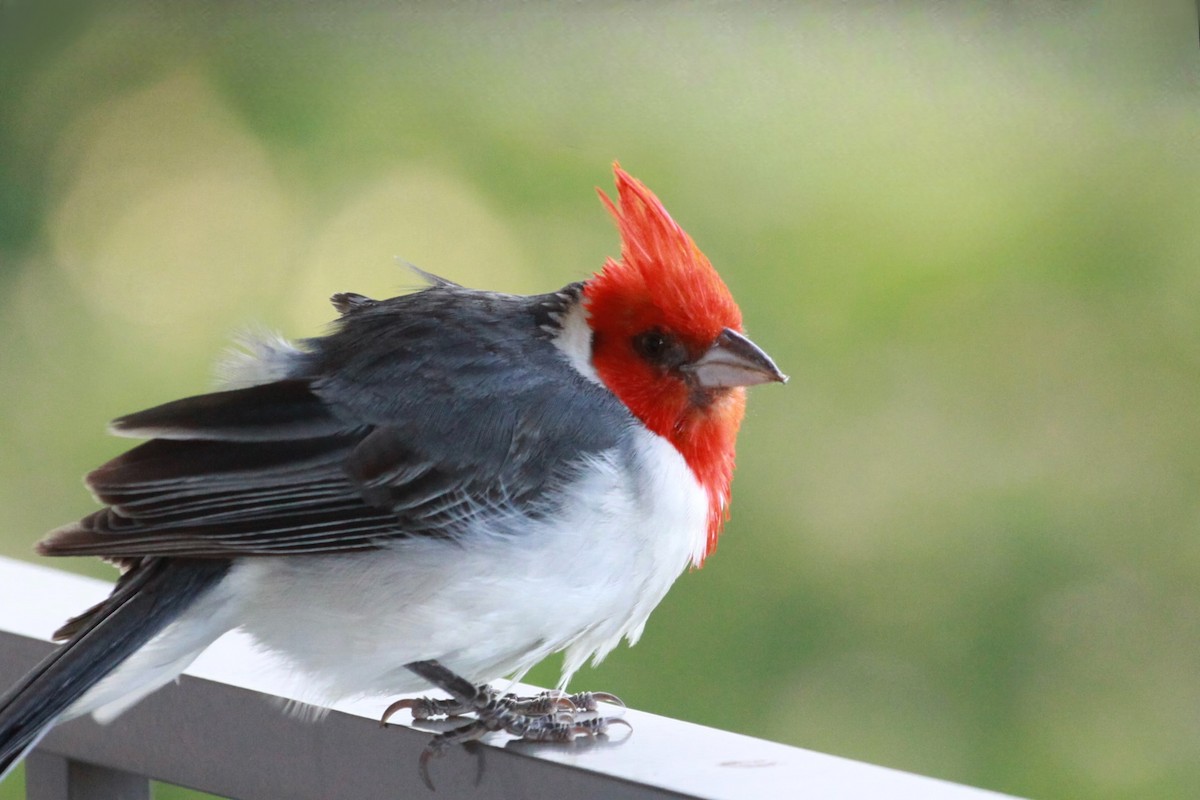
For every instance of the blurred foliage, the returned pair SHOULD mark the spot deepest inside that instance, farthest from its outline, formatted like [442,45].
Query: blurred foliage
[964,536]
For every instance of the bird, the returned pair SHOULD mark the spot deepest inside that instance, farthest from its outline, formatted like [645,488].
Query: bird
[448,487]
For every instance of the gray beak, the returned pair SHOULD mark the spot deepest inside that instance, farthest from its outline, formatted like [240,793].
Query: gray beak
[733,360]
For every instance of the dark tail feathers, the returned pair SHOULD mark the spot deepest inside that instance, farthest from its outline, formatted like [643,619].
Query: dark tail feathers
[145,601]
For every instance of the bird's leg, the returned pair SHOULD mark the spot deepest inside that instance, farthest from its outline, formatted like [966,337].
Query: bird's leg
[546,717]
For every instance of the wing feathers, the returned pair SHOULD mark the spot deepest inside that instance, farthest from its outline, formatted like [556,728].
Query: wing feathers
[273,411]
[107,532]
[164,465]
[417,415]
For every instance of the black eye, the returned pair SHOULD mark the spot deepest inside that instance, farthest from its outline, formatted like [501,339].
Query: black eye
[650,344]
[659,348]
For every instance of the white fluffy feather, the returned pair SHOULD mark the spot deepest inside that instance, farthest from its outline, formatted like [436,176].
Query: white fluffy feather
[257,356]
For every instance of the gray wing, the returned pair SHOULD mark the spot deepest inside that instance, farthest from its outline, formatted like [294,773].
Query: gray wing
[415,414]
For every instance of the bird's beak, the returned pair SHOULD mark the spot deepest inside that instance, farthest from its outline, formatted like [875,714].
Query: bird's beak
[733,360]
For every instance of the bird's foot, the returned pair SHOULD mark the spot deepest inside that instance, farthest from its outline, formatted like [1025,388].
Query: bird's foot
[551,716]
[488,701]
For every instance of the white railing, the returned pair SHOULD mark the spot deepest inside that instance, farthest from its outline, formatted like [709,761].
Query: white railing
[221,729]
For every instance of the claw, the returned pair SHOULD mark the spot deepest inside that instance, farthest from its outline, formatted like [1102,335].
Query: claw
[427,755]
[608,697]
[424,708]
[464,735]
[618,721]
[589,701]
[408,702]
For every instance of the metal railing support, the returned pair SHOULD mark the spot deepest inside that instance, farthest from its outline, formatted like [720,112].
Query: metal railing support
[49,776]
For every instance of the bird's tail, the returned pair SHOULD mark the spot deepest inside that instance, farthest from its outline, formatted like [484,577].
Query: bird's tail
[145,601]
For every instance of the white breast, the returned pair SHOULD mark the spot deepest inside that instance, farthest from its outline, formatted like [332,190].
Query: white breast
[504,596]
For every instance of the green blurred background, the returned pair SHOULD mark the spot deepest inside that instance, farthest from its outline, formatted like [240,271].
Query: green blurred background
[964,539]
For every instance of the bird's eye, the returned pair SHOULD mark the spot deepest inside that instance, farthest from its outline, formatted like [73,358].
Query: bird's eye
[659,348]
[651,343]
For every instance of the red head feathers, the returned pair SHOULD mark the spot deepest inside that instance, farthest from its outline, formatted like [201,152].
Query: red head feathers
[660,262]
[661,320]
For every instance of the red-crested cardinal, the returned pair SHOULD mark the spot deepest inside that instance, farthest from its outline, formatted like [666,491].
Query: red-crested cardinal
[449,487]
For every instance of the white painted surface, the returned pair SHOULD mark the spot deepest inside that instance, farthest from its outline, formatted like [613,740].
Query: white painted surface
[208,734]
